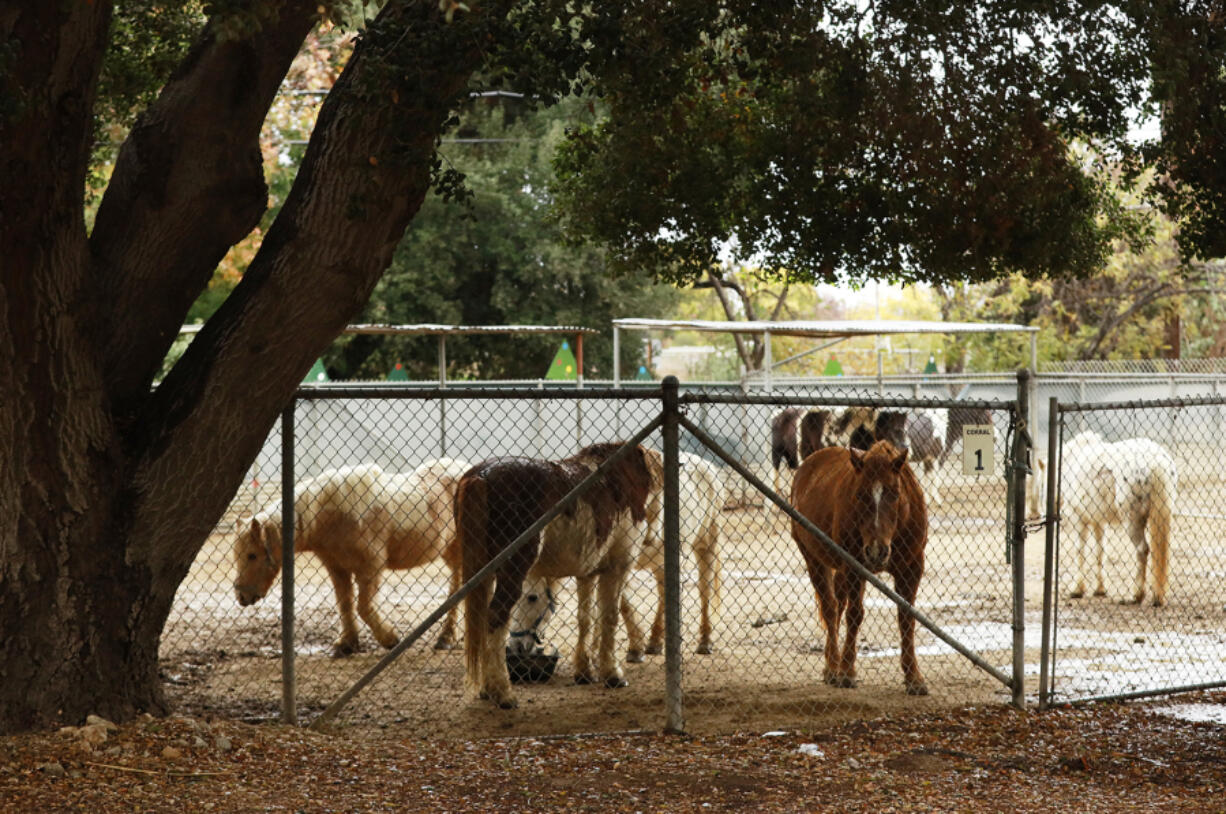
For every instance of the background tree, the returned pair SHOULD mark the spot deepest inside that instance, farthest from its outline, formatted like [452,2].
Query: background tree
[840,140]
[498,258]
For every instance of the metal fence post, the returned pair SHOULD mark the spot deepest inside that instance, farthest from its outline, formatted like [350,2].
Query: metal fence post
[675,720]
[289,712]
[1019,466]
[1049,553]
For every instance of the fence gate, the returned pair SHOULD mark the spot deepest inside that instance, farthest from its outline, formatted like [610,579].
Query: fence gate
[1141,613]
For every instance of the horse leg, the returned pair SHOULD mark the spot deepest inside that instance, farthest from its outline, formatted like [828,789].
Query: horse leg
[932,478]
[828,610]
[849,589]
[634,631]
[1136,533]
[347,643]
[1079,590]
[706,553]
[368,588]
[609,587]
[582,661]
[1100,587]
[495,679]
[447,639]
[906,584]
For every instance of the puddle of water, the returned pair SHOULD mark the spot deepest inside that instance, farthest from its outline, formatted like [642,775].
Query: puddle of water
[1196,713]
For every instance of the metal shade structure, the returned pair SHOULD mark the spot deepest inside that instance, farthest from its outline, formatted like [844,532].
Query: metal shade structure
[834,330]
[443,331]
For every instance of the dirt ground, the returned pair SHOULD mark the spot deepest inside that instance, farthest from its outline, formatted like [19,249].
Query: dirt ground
[223,660]
[1141,757]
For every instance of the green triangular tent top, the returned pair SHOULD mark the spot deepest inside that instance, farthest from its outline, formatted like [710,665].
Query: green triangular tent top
[643,375]
[398,373]
[833,368]
[317,372]
[931,367]
[564,365]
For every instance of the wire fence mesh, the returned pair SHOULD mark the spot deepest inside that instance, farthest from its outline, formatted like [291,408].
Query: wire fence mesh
[389,456]
[1138,595]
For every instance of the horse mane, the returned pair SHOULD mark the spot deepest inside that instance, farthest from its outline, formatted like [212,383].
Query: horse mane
[625,487]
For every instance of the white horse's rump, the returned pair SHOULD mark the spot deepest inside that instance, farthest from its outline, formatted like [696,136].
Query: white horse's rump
[1131,481]
[359,521]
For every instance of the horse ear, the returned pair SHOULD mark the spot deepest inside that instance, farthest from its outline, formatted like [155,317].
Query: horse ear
[255,527]
[857,459]
[900,460]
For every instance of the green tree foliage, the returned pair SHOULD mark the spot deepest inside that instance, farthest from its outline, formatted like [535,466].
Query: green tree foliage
[845,142]
[498,258]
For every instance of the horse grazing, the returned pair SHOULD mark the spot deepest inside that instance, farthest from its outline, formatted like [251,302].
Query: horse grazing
[796,433]
[870,504]
[702,501]
[1133,480]
[600,536]
[359,521]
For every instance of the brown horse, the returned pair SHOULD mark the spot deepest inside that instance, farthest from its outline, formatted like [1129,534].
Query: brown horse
[599,538]
[871,505]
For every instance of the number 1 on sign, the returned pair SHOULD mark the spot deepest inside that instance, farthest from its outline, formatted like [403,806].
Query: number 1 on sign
[978,447]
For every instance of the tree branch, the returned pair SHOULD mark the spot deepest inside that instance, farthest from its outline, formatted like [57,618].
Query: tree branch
[366,172]
[188,184]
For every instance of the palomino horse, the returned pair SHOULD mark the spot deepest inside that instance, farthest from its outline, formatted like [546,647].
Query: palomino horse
[870,504]
[702,501]
[1133,480]
[601,535]
[359,521]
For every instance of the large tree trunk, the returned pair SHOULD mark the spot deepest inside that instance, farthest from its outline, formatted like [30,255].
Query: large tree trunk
[108,485]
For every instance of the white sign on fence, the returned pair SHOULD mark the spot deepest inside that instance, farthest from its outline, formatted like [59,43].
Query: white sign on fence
[978,446]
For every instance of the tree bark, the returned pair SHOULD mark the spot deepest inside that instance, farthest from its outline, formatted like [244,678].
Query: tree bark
[108,489]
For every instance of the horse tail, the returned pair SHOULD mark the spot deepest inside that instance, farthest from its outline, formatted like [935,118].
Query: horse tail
[472,520]
[1161,512]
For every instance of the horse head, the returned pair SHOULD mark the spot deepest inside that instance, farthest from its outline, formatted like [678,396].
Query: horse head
[892,426]
[877,501]
[257,558]
[530,615]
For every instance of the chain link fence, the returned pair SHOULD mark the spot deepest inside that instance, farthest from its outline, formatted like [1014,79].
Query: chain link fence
[391,453]
[1135,595]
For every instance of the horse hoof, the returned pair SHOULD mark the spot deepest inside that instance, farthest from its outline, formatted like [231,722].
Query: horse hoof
[616,682]
[1100,591]
[844,682]
[390,643]
[634,656]
[1077,594]
[917,688]
[583,678]
[345,650]
[703,650]
[445,645]
[654,650]
[508,703]
[1159,602]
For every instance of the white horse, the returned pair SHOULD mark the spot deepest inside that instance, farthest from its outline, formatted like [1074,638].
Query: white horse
[359,521]
[1131,481]
[926,432]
